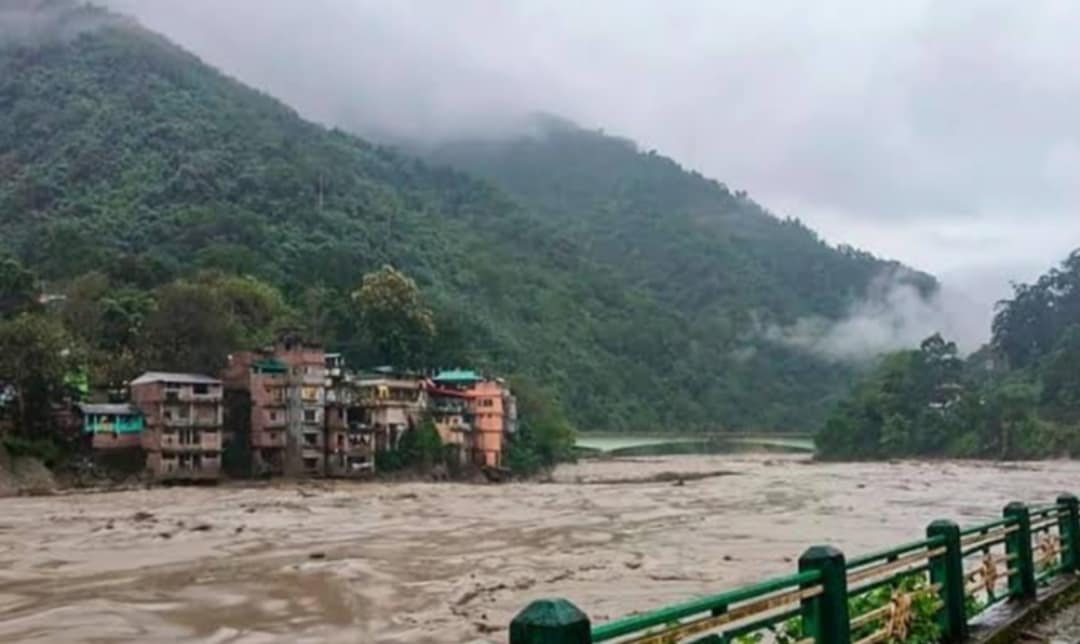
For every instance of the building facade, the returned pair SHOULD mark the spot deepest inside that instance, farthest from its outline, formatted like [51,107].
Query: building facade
[350,436]
[484,415]
[183,424]
[280,406]
[392,405]
[112,426]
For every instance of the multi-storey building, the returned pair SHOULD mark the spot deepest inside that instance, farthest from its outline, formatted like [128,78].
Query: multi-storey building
[392,405]
[452,414]
[491,414]
[256,393]
[305,446]
[183,424]
[350,436]
[280,395]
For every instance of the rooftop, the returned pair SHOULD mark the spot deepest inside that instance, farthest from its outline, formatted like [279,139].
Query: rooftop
[178,378]
[269,365]
[457,376]
[110,409]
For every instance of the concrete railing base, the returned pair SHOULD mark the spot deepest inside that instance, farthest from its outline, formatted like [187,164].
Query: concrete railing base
[1003,624]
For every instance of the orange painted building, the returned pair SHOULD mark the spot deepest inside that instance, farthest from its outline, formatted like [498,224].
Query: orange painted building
[482,425]
[489,420]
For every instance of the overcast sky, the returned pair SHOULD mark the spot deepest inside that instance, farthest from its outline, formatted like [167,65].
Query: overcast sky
[944,134]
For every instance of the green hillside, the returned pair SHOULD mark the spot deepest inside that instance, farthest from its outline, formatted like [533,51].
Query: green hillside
[631,287]
[1017,397]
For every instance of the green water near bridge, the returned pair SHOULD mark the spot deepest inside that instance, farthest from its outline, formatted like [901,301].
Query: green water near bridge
[656,445]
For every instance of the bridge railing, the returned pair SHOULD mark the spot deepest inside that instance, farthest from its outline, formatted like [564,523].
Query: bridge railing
[923,590]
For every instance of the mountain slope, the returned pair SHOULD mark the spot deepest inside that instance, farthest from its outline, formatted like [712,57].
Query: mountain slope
[629,286]
[687,239]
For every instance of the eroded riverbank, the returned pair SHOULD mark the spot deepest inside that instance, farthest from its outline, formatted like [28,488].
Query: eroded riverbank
[440,562]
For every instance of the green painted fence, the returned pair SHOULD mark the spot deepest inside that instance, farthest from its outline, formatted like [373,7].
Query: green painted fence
[923,591]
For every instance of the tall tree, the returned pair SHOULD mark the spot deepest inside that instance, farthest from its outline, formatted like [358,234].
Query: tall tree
[36,353]
[188,330]
[18,288]
[395,320]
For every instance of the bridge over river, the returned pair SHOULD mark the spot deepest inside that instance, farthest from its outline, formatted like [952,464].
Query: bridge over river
[619,444]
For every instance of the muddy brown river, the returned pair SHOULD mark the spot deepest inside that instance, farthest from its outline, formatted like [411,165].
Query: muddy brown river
[452,563]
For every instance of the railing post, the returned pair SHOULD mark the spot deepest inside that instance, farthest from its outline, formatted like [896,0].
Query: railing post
[1069,529]
[947,569]
[550,621]
[825,616]
[1018,544]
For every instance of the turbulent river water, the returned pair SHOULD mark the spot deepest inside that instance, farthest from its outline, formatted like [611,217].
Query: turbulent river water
[441,562]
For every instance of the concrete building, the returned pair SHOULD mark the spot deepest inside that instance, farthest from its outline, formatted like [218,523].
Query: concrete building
[278,402]
[305,438]
[256,394]
[350,436]
[491,414]
[452,414]
[183,424]
[392,405]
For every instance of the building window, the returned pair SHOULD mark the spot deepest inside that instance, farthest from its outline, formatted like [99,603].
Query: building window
[201,389]
[309,415]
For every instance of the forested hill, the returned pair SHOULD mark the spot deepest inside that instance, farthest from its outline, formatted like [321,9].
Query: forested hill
[683,238]
[630,287]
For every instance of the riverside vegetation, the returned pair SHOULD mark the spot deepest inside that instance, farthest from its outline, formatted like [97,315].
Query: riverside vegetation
[1017,397]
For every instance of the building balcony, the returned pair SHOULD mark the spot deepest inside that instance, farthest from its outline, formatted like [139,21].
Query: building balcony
[190,421]
[186,395]
[268,439]
[207,441]
[279,423]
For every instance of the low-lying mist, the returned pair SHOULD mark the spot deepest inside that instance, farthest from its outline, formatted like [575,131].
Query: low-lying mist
[893,315]
[26,22]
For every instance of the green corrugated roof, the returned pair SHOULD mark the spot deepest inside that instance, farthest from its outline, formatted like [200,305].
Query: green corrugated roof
[457,375]
[269,365]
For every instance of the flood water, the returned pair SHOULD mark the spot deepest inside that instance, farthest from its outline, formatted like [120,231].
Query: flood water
[439,562]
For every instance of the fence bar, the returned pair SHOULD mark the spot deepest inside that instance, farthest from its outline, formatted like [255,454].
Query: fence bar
[1022,574]
[1069,530]
[825,617]
[947,570]
[822,583]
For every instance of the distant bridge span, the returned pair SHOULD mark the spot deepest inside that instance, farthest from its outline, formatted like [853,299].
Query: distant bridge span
[615,443]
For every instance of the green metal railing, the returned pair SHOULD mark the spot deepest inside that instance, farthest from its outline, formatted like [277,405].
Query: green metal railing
[933,586]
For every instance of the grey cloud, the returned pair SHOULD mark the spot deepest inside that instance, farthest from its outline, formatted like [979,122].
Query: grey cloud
[24,22]
[921,110]
[921,130]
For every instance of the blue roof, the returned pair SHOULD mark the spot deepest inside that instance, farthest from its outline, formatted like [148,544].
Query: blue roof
[457,375]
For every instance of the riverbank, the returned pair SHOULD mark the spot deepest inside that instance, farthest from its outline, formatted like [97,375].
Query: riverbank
[451,562]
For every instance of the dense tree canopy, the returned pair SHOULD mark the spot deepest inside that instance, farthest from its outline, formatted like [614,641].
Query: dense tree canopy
[36,354]
[394,319]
